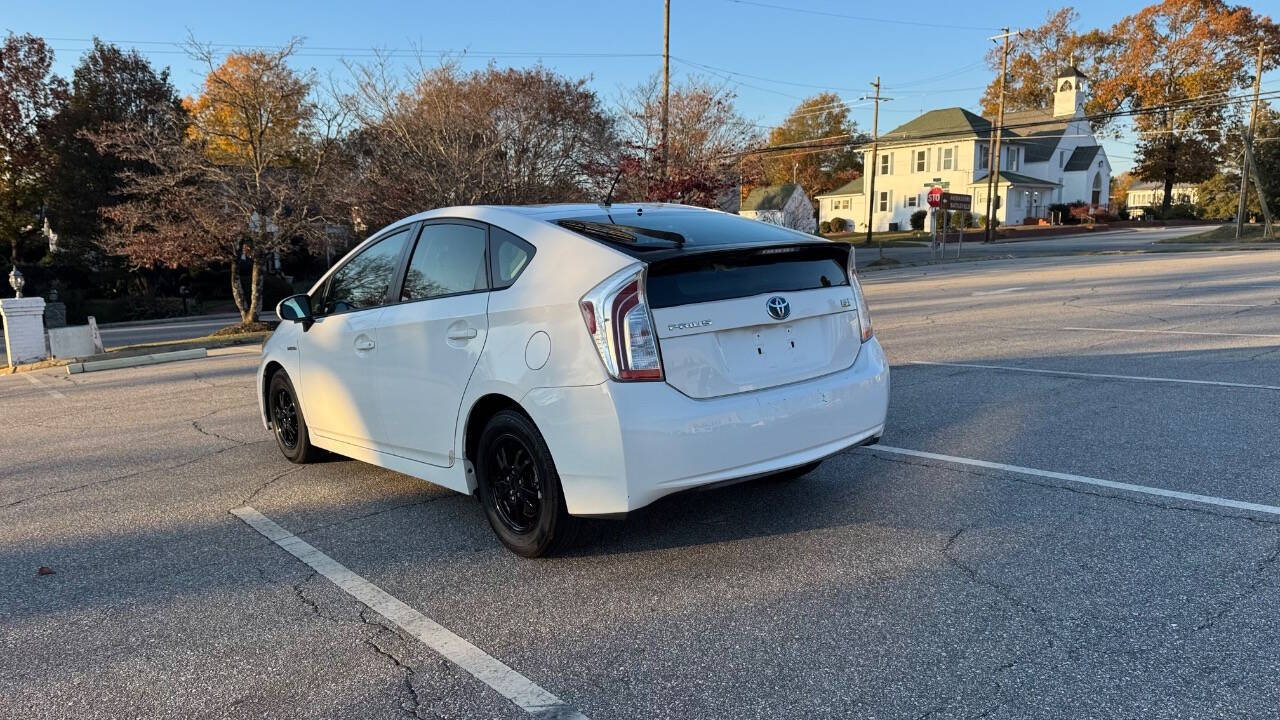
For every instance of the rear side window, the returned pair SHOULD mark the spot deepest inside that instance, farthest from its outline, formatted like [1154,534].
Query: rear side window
[721,276]
[510,256]
[364,280]
[448,260]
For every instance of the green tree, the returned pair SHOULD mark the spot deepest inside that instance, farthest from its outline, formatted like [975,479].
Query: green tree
[821,118]
[108,86]
[1217,198]
[30,94]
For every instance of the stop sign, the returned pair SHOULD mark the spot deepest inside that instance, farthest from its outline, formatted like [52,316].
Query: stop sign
[935,196]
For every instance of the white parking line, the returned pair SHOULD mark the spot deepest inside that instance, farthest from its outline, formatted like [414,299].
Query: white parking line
[32,379]
[1168,332]
[1103,376]
[1203,304]
[1084,479]
[997,292]
[492,672]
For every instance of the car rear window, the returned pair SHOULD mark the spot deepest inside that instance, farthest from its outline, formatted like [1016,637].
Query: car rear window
[641,232]
[741,273]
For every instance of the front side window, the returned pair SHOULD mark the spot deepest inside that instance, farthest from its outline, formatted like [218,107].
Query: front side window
[948,158]
[912,200]
[884,202]
[364,280]
[920,161]
[448,259]
[884,164]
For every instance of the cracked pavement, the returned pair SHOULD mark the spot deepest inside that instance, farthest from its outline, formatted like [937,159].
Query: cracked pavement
[876,587]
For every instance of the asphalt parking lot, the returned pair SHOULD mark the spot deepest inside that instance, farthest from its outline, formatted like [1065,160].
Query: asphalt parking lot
[1074,514]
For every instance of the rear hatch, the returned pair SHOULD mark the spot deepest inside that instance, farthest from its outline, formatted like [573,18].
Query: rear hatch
[739,305]
[738,320]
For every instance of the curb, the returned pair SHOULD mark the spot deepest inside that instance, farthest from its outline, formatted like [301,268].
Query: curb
[181,319]
[153,359]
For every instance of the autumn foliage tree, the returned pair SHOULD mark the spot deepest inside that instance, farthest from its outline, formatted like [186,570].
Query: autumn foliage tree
[1036,56]
[1173,63]
[235,176]
[823,117]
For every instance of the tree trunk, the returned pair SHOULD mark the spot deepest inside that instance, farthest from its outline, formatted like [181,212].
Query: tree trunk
[237,292]
[255,291]
[1168,193]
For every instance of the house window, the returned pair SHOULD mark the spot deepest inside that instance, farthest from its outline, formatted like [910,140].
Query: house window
[884,201]
[844,204]
[984,157]
[920,161]
[1062,159]
[948,158]
[980,197]
[885,164]
[1011,158]
[911,201]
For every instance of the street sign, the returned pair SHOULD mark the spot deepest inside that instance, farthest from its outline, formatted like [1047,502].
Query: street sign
[954,201]
[935,197]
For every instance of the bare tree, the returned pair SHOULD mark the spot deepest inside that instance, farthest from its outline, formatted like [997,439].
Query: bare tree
[706,137]
[434,135]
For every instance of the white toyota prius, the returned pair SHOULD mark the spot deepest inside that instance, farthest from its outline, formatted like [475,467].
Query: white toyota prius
[578,360]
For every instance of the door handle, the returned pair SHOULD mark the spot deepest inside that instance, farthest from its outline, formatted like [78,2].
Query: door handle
[364,343]
[463,333]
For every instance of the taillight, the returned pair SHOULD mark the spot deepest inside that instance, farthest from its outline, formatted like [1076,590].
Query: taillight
[864,315]
[617,316]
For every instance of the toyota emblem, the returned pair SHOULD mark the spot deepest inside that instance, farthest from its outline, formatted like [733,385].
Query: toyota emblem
[779,308]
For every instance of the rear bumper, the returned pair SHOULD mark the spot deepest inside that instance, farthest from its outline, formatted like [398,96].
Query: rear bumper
[620,446]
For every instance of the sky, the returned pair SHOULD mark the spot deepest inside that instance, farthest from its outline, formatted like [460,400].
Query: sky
[928,55]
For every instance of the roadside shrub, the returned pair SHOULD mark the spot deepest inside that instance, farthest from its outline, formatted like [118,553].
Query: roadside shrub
[917,219]
[1061,212]
[1103,216]
[837,224]
[982,219]
[825,226]
[961,219]
[1181,211]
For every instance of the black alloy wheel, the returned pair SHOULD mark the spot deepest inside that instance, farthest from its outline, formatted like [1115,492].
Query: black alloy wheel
[519,487]
[287,422]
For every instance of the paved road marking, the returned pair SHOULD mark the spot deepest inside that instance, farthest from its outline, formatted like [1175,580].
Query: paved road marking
[997,292]
[1169,332]
[1202,304]
[1069,373]
[492,672]
[1084,479]
[32,379]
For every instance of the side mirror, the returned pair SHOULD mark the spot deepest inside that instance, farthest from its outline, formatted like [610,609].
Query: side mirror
[295,308]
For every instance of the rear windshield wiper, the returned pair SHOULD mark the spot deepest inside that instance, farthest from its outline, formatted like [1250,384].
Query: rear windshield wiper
[622,234]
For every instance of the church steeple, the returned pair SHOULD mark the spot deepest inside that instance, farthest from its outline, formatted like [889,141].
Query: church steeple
[1068,93]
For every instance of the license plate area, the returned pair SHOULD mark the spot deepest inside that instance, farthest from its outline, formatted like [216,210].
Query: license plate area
[767,346]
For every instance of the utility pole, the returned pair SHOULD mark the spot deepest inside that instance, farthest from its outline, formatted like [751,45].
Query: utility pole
[875,139]
[993,159]
[666,81]
[1242,208]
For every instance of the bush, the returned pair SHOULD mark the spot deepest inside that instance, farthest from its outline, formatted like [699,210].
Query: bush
[917,219]
[1061,212]
[1103,216]
[837,224]
[982,220]
[961,219]
[825,226]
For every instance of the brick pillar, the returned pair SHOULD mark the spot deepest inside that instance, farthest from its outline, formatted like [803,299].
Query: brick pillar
[23,329]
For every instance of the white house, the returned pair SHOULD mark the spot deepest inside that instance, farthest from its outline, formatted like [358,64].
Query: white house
[1143,195]
[1046,158]
[786,205]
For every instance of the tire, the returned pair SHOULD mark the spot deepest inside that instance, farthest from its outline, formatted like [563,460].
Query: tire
[520,489]
[794,473]
[287,423]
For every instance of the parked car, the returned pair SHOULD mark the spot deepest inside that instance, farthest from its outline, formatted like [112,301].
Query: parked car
[573,361]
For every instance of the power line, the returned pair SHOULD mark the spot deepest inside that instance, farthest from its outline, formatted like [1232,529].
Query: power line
[860,18]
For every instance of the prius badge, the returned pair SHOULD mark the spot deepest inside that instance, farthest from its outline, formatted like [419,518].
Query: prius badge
[779,308]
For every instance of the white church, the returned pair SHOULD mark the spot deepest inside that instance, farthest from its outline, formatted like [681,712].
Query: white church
[1046,158]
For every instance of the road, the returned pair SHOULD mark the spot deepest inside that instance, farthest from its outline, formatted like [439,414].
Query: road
[1073,514]
[1127,240]
[120,334]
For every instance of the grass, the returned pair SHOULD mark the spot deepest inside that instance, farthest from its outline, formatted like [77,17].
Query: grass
[1226,234]
[910,238]
[209,341]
